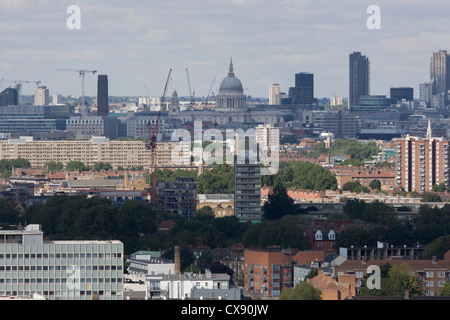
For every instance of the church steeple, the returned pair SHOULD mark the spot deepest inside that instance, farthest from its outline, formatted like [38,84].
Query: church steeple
[429,132]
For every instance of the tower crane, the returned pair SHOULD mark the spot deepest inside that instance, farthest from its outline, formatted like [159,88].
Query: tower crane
[19,84]
[151,145]
[82,74]
[190,91]
[209,92]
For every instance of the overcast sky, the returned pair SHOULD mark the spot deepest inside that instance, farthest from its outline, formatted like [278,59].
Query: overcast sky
[136,42]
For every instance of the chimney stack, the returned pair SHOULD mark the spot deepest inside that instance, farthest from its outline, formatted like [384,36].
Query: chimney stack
[177,260]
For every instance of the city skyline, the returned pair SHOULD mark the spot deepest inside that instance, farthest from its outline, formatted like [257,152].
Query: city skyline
[136,44]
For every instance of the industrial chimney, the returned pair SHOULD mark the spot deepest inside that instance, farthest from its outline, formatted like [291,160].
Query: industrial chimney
[177,260]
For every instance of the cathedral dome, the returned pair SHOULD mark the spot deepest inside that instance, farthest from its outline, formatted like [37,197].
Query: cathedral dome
[231,94]
[231,83]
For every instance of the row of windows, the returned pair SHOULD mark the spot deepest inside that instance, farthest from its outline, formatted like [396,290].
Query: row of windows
[58,268]
[57,280]
[61,256]
[60,294]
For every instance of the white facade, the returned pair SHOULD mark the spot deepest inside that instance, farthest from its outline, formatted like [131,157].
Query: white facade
[268,137]
[41,96]
[59,270]
[179,286]
[141,268]
[274,94]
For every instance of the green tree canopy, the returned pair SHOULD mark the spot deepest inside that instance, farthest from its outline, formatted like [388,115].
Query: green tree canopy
[302,291]
[431,197]
[302,175]
[76,166]
[279,204]
[53,166]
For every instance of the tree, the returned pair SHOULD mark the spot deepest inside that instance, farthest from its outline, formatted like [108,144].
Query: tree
[439,187]
[205,211]
[302,175]
[102,166]
[401,274]
[220,179]
[355,186]
[283,232]
[302,291]
[431,197]
[53,166]
[76,166]
[437,248]
[354,208]
[8,213]
[445,290]
[279,204]
[375,184]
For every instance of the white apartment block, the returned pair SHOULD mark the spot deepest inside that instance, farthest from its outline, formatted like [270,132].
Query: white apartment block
[267,136]
[59,270]
[98,149]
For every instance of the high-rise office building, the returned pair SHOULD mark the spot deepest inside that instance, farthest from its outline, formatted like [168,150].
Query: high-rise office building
[303,92]
[9,97]
[440,74]
[359,77]
[274,94]
[402,93]
[41,96]
[102,95]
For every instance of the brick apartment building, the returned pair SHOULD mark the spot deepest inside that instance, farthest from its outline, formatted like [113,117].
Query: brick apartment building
[422,163]
[434,273]
[365,175]
[267,272]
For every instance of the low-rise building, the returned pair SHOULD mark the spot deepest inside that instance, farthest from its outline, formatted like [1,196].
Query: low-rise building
[331,289]
[179,197]
[221,204]
[433,272]
[181,285]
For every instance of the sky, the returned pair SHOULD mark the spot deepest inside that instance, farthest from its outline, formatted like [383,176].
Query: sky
[137,42]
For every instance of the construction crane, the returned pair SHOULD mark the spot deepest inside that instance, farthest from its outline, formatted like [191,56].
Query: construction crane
[19,84]
[190,91]
[209,92]
[151,145]
[82,74]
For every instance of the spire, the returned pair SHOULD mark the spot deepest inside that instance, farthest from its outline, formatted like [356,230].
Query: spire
[429,132]
[231,71]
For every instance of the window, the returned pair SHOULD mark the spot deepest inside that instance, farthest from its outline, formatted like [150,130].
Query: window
[318,235]
[332,235]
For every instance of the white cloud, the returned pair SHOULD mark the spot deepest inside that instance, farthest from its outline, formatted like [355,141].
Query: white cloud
[137,41]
